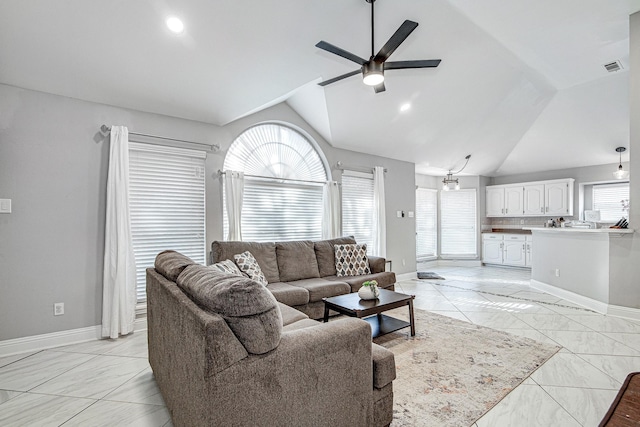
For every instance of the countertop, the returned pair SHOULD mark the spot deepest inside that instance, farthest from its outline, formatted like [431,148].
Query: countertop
[581,230]
[508,231]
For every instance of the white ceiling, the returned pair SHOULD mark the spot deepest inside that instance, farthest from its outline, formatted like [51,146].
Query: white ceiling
[521,85]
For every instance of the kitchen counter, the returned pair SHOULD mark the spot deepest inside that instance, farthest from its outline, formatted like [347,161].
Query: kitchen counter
[509,231]
[581,230]
[580,264]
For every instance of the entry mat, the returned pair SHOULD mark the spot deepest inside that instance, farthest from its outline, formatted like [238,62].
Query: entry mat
[430,275]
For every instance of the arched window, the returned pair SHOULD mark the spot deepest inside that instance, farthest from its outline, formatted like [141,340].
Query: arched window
[284,174]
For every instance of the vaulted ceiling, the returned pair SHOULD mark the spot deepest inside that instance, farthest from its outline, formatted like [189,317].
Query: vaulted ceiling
[521,85]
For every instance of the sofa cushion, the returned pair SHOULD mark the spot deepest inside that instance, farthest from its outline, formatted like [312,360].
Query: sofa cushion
[384,279]
[289,295]
[249,266]
[301,324]
[326,255]
[296,260]
[227,266]
[351,260]
[321,288]
[250,310]
[290,315]
[171,263]
[263,252]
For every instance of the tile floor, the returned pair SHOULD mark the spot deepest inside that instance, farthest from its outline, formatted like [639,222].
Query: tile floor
[109,383]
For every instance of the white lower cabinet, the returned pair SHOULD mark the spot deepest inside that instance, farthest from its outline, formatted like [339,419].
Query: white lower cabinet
[506,249]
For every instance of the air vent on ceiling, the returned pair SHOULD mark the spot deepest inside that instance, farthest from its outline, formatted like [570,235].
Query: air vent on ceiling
[613,66]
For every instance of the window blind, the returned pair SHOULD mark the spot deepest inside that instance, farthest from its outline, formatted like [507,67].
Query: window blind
[426,223]
[607,198]
[458,223]
[167,204]
[274,211]
[357,206]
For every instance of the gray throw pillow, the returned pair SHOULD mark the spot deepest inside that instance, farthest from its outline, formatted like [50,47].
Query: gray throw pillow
[249,309]
[351,260]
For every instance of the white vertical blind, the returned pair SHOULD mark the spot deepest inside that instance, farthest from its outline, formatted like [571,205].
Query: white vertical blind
[426,223]
[357,206]
[167,204]
[458,218]
[274,211]
[607,198]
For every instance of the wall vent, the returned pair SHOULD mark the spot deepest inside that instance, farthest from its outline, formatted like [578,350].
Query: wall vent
[613,66]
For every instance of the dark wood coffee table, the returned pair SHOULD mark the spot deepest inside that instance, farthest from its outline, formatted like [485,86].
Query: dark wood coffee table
[371,310]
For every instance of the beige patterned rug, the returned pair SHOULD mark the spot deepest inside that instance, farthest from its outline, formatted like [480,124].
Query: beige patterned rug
[452,372]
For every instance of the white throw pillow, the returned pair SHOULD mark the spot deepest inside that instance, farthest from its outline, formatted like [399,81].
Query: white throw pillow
[351,260]
[249,266]
[227,266]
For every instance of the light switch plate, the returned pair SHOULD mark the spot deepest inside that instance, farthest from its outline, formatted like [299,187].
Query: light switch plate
[410,214]
[399,214]
[5,205]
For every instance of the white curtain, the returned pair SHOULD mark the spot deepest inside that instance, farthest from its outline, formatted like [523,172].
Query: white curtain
[234,192]
[119,278]
[379,217]
[331,213]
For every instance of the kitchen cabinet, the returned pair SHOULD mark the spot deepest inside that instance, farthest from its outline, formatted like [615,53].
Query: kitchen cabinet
[533,199]
[541,198]
[506,249]
[495,201]
[492,248]
[504,200]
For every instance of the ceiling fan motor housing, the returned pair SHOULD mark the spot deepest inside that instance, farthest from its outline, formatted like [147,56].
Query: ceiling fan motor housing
[373,72]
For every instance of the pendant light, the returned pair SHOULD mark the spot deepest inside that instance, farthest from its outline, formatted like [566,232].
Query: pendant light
[451,180]
[621,173]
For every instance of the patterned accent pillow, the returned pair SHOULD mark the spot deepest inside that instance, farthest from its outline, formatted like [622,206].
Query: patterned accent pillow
[351,260]
[249,266]
[227,266]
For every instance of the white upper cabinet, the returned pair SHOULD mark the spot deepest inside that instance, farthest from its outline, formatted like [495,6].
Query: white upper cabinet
[542,198]
[495,201]
[534,199]
[513,200]
[556,198]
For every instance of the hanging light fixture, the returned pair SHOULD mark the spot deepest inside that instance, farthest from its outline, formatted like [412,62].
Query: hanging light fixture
[451,180]
[621,173]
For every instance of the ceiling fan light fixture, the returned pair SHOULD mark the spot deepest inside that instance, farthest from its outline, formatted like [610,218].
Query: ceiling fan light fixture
[373,73]
[621,173]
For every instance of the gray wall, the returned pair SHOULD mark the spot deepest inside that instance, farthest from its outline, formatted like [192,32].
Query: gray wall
[53,165]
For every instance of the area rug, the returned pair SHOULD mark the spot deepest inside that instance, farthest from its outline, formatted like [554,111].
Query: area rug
[429,275]
[452,372]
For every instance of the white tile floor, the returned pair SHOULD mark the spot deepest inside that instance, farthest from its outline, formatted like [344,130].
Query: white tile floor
[109,383]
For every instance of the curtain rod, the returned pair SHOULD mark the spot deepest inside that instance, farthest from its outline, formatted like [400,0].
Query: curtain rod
[221,172]
[341,166]
[213,147]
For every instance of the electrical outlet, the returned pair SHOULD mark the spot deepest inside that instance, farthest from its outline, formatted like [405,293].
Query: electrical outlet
[58,309]
[522,222]
[557,272]
[404,262]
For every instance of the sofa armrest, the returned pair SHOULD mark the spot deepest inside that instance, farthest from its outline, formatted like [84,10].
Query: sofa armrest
[376,264]
[317,373]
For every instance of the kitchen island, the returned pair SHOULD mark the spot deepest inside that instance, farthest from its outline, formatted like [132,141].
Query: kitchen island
[583,265]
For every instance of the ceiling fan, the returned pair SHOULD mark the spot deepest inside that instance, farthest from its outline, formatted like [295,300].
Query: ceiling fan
[373,69]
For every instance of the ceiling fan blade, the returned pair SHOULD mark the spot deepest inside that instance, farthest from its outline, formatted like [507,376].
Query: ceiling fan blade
[398,65]
[335,79]
[340,52]
[379,88]
[396,40]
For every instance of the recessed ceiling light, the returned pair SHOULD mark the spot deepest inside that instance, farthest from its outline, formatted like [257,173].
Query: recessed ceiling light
[405,107]
[175,25]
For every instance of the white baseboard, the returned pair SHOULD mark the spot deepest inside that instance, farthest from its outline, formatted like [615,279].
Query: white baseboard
[406,276]
[459,263]
[590,303]
[626,312]
[57,339]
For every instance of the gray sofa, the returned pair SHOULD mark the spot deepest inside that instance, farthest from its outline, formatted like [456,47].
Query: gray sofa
[224,352]
[301,273]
